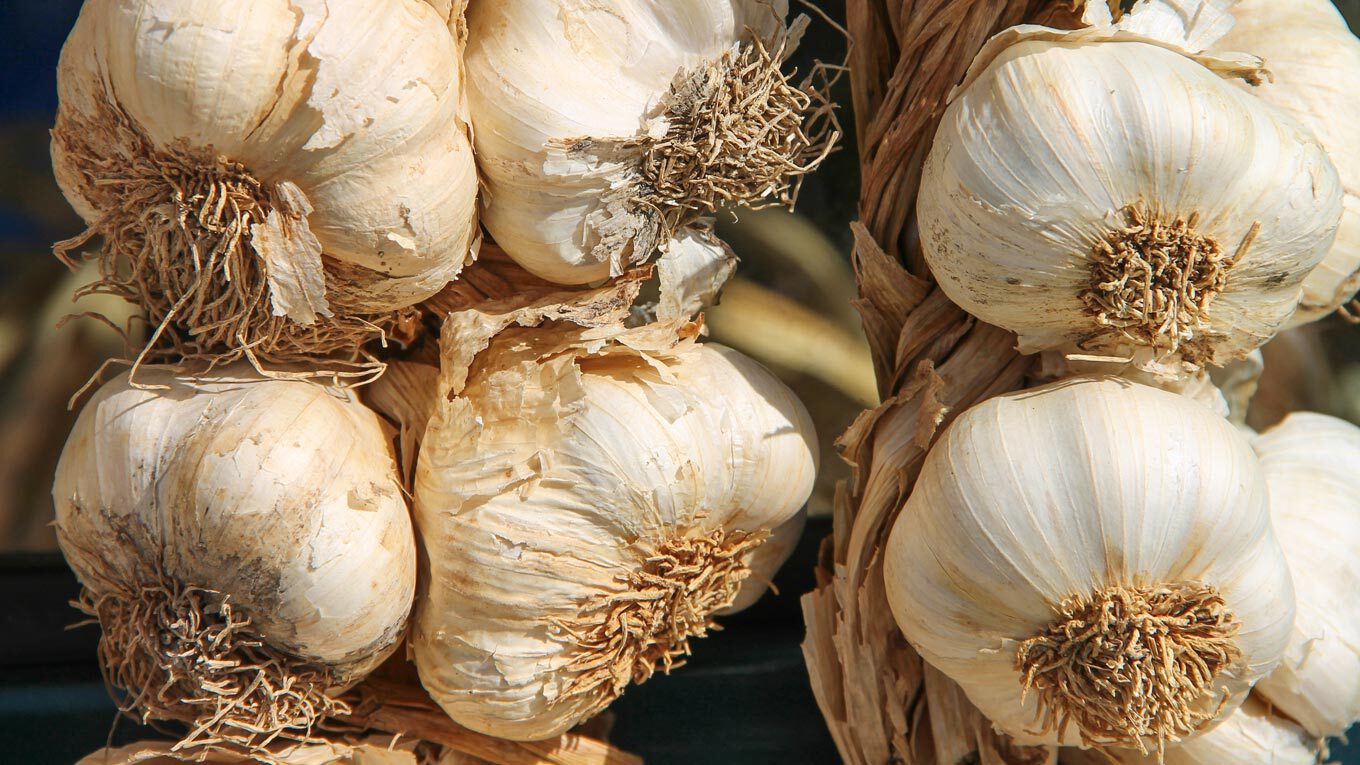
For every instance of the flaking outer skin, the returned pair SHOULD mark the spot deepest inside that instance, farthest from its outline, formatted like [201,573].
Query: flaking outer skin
[282,495]
[542,484]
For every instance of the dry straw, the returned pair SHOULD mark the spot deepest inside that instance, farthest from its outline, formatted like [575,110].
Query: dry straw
[881,702]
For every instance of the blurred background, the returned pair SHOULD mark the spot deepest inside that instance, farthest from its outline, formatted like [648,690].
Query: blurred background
[790,308]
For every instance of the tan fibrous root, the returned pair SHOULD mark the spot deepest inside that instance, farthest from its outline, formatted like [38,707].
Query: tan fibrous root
[185,654]
[626,637]
[1154,281]
[175,224]
[1131,665]
[738,131]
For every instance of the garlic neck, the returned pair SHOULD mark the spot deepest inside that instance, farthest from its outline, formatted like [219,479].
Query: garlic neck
[1154,279]
[1130,664]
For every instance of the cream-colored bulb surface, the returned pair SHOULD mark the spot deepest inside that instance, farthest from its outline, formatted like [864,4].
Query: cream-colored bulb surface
[585,509]
[1098,502]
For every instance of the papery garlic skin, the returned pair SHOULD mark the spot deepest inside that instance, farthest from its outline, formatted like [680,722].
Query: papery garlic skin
[335,130]
[1314,62]
[1251,735]
[278,497]
[1058,148]
[550,493]
[1061,492]
[559,132]
[1312,468]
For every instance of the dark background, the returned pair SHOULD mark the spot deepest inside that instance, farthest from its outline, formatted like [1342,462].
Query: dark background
[744,698]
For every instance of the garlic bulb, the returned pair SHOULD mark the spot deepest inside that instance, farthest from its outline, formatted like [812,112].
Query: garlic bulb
[1314,61]
[630,120]
[243,543]
[1092,562]
[283,176]
[1312,468]
[588,498]
[1251,735]
[1109,194]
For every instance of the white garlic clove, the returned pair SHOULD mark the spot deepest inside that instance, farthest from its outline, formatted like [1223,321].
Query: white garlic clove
[1312,468]
[1072,167]
[290,176]
[1314,61]
[1251,735]
[601,146]
[236,533]
[588,499]
[1039,511]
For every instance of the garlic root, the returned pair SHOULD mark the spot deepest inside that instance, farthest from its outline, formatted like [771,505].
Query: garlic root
[1128,662]
[244,545]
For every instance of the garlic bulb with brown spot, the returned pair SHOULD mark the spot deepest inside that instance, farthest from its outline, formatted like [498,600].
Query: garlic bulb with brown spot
[1093,563]
[588,498]
[630,120]
[1314,63]
[1103,192]
[287,176]
[1251,735]
[1312,468]
[244,545]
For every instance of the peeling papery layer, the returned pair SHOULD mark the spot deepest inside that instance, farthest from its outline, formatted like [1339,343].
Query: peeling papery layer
[599,313]
[693,271]
[1187,27]
[591,495]
[732,131]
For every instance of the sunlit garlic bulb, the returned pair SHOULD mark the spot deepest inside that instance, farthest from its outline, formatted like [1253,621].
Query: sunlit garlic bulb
[244,545]
[1093,563]
[1312,468]
[288,176]
[1113,195]
[588,500]
[603,129]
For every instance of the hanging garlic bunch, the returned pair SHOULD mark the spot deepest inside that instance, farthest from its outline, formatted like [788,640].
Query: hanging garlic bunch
[243,544]
[1092,562]
[1103,191]
[1312,469]
[589,497]
[284,177]
[1314,61]
[605,128]
[1251,735]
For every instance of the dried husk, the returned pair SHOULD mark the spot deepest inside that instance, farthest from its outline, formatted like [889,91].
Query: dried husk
[396,703]
[931,359]
[243,571]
